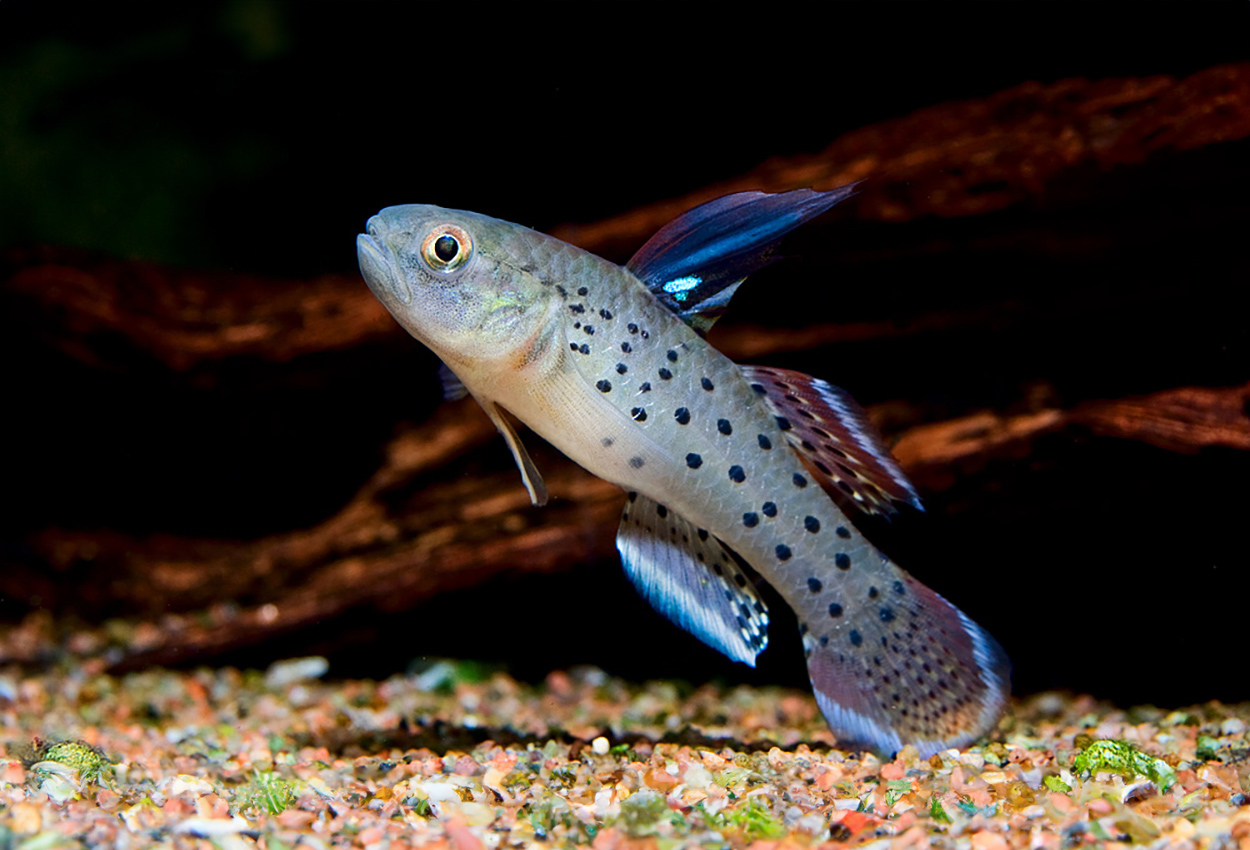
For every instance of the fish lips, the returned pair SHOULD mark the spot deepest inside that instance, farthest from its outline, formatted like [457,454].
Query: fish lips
[379,269]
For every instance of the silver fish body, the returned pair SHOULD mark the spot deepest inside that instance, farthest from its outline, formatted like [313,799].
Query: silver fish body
[586,355]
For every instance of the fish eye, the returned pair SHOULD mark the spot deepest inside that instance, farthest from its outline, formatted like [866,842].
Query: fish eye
[446,248]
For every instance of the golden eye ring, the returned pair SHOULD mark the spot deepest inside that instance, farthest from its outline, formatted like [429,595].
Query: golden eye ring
[446,248]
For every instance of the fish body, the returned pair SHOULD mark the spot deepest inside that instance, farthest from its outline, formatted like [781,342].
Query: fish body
[722,463]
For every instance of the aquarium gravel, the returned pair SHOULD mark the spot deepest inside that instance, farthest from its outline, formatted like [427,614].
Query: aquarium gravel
[451,755]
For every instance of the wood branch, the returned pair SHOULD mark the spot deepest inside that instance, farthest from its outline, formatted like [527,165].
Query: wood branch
[400,542]
[182,318]
[964,159]
[1065,332]
[1032,143]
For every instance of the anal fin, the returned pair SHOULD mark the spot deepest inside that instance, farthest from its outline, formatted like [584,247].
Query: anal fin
[691,578]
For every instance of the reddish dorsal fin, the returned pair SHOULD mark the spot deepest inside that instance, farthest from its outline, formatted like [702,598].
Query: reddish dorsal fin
[837,443]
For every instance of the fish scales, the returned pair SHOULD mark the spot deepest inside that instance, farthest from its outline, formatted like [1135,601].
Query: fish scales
[606,368]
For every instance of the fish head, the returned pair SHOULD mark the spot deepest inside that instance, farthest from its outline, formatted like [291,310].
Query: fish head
[454,281]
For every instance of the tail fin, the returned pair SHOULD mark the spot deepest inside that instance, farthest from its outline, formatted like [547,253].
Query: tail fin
[913,670]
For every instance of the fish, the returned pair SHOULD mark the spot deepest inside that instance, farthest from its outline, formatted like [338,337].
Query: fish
[734,474]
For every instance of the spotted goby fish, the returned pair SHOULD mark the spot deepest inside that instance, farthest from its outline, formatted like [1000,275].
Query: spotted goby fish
[722,464]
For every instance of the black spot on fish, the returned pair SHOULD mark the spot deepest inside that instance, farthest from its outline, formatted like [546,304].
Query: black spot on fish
[665,374]
[783,423]
[671,355]
[645,388]
[783,552]
[636,462]
[750,519]
[645,335]
[811,524]
[814,585]
[577,308]
[835,610]
[633,497]
[589,329]
[573,346]
[872,593]
[607,442]
[765,443]
[577,325]
[799,480]
[606,315]
[824,640]
[661,510]
[632,328]
[855,637]
[694,461]
[626,347]
[604,386]
[898,588]
[769,509]
[737,474]
[886,614]
[724,427]
[842,532]
[682,415]
[621,368]
[760,389]
[581,290]
[707,384]
[560,289]
[741,580]
[585,349]
[703,534]
[639,414]
[842,561]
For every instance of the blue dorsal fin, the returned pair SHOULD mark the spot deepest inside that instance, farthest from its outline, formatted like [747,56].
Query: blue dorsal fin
[689,576]
[694,263]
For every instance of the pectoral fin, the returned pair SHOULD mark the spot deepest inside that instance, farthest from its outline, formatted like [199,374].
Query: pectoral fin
[692,579]
[529,473]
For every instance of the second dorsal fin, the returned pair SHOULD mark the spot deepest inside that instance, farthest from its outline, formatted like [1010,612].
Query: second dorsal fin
[837,443]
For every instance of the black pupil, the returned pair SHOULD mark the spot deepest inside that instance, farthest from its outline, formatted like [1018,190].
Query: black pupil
[446,248]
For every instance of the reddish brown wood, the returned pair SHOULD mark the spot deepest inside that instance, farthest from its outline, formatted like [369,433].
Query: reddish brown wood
[442,511]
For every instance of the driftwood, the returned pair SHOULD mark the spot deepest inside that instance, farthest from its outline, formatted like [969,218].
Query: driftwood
[1075,355]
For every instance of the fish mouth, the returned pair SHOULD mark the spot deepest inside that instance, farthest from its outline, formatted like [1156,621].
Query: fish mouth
[378,267]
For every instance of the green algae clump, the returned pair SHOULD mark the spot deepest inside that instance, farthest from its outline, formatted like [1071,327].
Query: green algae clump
[1121,757]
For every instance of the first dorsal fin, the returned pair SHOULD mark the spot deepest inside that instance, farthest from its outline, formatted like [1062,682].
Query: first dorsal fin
[694,263]
[837,443]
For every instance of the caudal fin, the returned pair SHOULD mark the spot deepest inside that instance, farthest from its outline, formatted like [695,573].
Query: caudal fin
[912,670]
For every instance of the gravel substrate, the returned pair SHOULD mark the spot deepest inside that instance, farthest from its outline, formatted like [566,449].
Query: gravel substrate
[454,757]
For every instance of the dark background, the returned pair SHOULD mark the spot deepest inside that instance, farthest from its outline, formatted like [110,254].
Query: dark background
[258,137]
